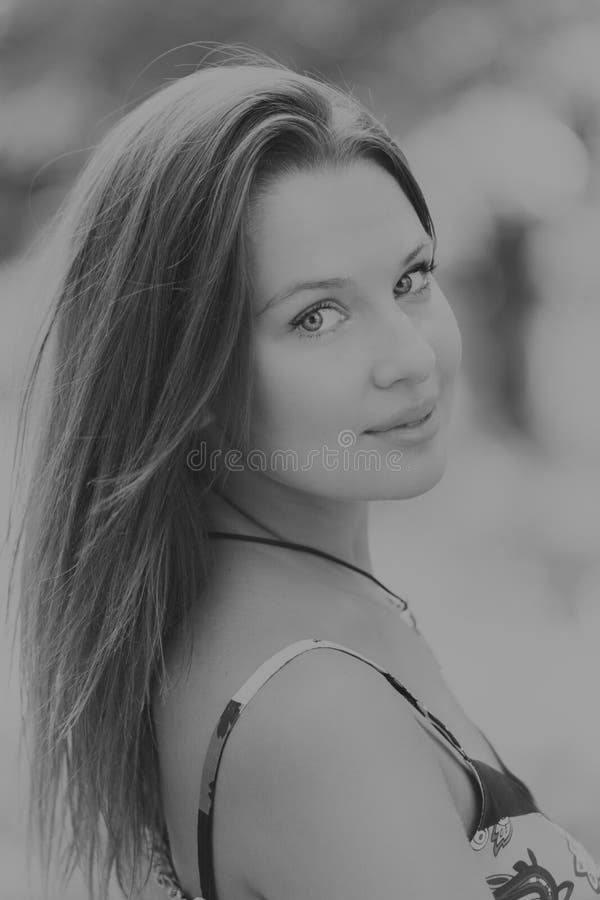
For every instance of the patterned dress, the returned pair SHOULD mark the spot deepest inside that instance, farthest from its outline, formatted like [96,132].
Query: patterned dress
[527,856]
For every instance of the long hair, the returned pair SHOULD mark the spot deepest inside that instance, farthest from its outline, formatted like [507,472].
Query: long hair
[150,325]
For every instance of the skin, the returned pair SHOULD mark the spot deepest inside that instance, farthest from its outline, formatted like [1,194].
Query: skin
[390,341]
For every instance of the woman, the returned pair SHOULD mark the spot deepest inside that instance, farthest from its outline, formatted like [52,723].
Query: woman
[249,347]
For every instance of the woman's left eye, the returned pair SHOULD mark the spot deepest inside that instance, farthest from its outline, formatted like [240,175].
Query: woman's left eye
[421,275]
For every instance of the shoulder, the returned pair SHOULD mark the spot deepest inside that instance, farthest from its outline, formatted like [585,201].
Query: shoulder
[329,786]
[230,642]
[201,679]
[307,709]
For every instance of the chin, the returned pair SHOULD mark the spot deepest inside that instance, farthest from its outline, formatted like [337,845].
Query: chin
[416,487]
[416,477]
[417,472]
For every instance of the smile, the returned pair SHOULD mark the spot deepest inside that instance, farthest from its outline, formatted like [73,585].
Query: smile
[411,432]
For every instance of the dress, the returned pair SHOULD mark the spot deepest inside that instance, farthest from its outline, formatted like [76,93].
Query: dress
[527,856]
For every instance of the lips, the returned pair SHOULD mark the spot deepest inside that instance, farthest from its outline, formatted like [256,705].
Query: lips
[407,417]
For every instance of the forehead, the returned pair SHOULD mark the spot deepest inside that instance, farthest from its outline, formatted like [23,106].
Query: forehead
[329,222]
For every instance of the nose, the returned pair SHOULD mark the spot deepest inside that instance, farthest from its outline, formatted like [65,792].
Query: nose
[401,351]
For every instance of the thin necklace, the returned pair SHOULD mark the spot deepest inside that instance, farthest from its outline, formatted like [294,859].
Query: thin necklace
[398,602]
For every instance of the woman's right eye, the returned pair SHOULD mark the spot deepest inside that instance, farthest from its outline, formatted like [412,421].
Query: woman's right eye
[314,328]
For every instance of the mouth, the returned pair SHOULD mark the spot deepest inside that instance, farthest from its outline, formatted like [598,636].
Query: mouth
[398,424]
[415,423]
[415,432]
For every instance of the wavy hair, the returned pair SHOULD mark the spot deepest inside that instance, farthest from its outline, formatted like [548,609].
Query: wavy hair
[150,325]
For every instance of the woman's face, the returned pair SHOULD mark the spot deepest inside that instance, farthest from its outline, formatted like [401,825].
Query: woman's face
[385,343]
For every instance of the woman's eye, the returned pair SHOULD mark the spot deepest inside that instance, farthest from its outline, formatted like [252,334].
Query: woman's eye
[416,281]
[309,324]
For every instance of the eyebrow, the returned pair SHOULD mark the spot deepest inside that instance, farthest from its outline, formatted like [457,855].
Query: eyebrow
[326,283]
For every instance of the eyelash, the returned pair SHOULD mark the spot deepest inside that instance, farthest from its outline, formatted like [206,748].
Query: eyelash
[426,268]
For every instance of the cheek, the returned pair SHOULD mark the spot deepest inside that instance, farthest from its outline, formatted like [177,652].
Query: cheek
[304,392]
[446,340]
[290,397]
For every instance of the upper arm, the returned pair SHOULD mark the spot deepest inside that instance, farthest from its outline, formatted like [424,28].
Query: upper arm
[330,789]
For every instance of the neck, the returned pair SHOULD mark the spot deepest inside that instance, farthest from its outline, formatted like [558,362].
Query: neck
[251,503]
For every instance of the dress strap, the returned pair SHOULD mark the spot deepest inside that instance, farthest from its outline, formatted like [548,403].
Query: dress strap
[230,716]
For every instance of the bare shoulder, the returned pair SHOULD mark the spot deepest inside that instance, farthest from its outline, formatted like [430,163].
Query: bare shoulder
[330,787]
[230,641]
[327,765]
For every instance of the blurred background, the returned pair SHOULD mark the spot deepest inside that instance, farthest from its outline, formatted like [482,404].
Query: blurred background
[497,105]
